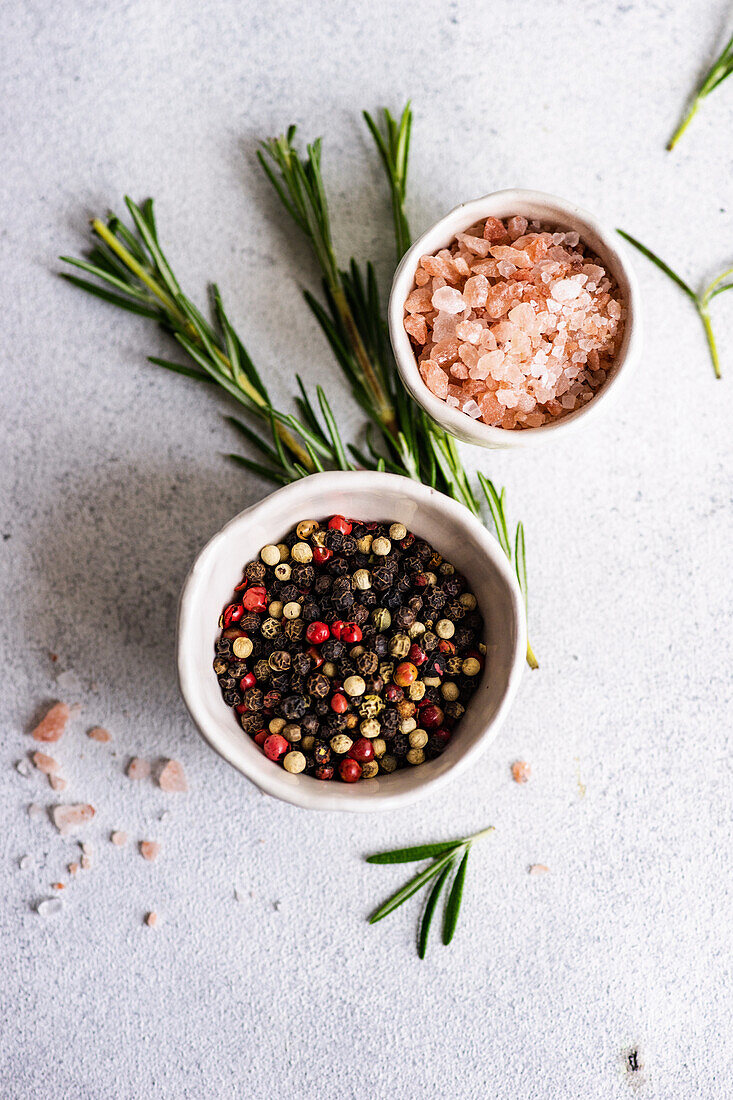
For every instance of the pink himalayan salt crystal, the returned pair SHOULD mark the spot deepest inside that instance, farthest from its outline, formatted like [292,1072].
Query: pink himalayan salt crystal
[149,849]
[69,818]
[52,726]
[494,230]
[85,863]
[435,379]
[521,771]
[118,838]
[44,763]
[151,919]
[172,777]
[551,311]
[73,868]
[138,768]
[98,733]
[449,300]
[538,869]
[57,782]
[476,291]
[416,327]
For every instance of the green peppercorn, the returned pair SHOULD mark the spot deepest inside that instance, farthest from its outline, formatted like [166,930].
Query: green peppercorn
[399,646]
[415,756]
[382,619]
[387,763]
[369,769]
[418,739]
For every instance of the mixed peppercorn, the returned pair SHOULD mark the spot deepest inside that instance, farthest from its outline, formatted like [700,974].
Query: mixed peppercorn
[350,649]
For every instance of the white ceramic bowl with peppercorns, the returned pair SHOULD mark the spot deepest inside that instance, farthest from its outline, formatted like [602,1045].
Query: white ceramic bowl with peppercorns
[452,530]
[553,214]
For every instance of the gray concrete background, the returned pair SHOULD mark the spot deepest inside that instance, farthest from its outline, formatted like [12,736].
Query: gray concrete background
[113,477]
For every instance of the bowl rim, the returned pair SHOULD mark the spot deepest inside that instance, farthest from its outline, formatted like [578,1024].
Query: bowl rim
[273,780]
[444,230]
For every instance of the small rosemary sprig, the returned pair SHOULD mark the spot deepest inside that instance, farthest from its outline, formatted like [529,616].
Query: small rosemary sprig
[700,301]
[719,71]
[446,856]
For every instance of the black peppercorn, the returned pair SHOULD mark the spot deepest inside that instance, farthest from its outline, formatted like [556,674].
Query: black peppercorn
[254,699]
[322,584]
[311,611]
[262,670]
[321,753]
[232,698]
[332,649]
[399,744]
[255,571]
[220,666]
[227,683]
[303,576]
[293,707]
[294,629]
[404,618]
[309,724]
[224,646]
[318,685]
[322,707]
[301,664]
[367,663]
[334,540]
[250,722]
[390,720]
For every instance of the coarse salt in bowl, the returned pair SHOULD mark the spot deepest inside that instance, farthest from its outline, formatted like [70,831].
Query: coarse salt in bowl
[553,214]
[366,495]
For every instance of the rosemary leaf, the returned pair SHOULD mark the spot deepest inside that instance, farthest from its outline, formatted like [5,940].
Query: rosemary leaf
[263,471]
[427,919]
[659,263]
[410,855]
[453,905]
[109,296]
[410,888]
[181,368]
[719,71]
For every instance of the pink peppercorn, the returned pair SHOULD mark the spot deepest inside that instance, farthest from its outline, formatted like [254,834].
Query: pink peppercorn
[255,599]
[248,681]
[337,627]
[350,770]
[350,633]
[321,554]
[275,746]
[233,613]
[260,737]
[340,523]
[339,703]
[417,655]
[431,716]
[317,633]
[362,750]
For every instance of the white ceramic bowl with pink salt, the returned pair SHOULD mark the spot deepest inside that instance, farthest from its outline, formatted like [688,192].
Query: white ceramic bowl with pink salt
[514,318]
[366,495]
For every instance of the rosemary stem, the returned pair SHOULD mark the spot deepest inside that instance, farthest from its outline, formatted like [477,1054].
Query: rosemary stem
[385,410]
[483,832]
[531,659]
[137,269]
[170,306]
[708,292]
[705,318]
[686,120]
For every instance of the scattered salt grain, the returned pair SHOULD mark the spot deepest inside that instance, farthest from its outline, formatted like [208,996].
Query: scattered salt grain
[85,863]
[49,907]
[24,863]
[521,771]
[57,782]
[118,838]
[69,818]
[149,849]
[151,919]
[52,726]
[99,734]
[23,768]
[471,409]
[44,763]
[69,683]
[73,868]
[538,869]
[86,847]
[34,810]
[138,768]
[173,777]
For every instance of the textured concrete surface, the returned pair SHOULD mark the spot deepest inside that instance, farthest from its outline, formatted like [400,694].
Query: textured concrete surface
[112,477]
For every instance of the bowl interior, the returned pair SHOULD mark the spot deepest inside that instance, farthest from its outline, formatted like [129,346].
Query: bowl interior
[553,213]
[444,523]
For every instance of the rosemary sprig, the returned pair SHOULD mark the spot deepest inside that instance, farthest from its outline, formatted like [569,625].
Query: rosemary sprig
[701,300]
[410,443]
[719,71]
[445,856]
[131,261]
